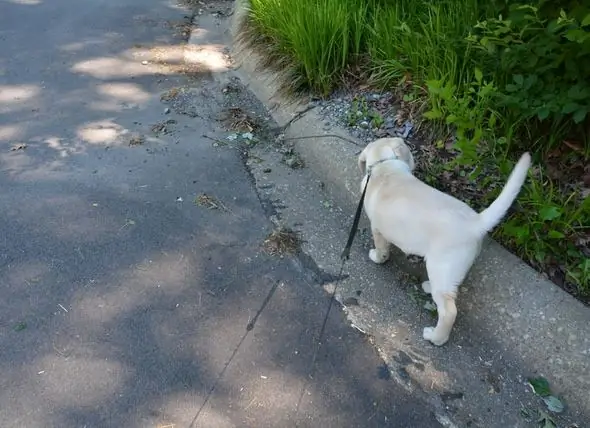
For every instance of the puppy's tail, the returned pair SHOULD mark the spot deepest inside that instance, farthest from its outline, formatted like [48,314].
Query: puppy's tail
[492,215]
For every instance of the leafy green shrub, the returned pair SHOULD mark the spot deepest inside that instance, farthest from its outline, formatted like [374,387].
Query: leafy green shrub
[540,66]
[468,110]
[548,229]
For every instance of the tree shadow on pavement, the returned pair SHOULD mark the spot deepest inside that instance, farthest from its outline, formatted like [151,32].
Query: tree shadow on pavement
[122,300]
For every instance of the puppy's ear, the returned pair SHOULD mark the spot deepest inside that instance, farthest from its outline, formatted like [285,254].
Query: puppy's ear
[402,151]
[362,161]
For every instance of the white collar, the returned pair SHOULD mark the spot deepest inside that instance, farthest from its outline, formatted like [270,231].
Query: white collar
[393,158]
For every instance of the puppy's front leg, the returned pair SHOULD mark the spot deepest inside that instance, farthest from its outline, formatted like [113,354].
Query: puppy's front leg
[380,254]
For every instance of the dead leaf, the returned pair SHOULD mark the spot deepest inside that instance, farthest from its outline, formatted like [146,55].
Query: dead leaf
[20,146]
[209,202]
[136,140]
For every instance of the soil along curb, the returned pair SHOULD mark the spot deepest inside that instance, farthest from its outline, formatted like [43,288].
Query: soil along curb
[524,312]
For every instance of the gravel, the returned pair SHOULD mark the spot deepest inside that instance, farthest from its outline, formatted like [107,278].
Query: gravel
[366,115]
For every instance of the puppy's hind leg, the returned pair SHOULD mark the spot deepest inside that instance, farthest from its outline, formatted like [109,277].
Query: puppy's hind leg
[447,313]
[446,270]
[380,254]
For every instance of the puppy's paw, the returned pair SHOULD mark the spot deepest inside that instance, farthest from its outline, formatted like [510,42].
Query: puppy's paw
[378,257]
[426,287]
[429,334]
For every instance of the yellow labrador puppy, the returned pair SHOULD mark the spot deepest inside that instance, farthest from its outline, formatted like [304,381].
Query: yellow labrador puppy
[423,221]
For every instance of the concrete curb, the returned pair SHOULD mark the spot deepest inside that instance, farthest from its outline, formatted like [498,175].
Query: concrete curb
[523,311]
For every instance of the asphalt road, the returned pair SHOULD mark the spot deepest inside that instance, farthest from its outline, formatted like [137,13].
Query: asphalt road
[121,299]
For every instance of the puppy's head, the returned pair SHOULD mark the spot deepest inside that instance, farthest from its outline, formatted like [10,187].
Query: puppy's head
[385,148]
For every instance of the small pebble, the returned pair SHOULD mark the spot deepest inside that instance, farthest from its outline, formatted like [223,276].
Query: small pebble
[144,62]
[351,301]
[166,110]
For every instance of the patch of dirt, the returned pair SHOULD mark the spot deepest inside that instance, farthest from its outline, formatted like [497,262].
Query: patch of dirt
[240,120]
[242,108]
[162,127]
[170,94]
[282,241]
[182,28]
[292,158]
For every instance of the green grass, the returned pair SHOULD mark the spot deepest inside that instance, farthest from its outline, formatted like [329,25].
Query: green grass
[419,41]
[503,77]
[311,43]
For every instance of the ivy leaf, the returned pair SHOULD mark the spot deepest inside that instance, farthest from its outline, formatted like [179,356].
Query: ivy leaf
[540,386]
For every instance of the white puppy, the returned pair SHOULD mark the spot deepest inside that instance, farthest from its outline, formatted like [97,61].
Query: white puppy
[421,220]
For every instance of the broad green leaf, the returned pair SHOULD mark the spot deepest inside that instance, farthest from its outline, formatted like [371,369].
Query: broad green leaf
[579,115]
[554,404]
[543,113]
[586,20]
[577,92]
[432,114]
[478,75]
[540,256]
[549,213]
[451,118]
[569,108]
[511,88]
[518,79]
[540,386]
[555,234]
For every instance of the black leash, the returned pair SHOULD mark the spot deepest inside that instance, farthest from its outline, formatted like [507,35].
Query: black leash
[344,258]
[355,223]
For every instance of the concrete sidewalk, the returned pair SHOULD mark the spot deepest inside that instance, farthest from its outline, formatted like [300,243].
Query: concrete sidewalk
[512,323]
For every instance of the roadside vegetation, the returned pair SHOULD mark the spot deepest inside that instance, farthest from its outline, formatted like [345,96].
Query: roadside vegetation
[487,79]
